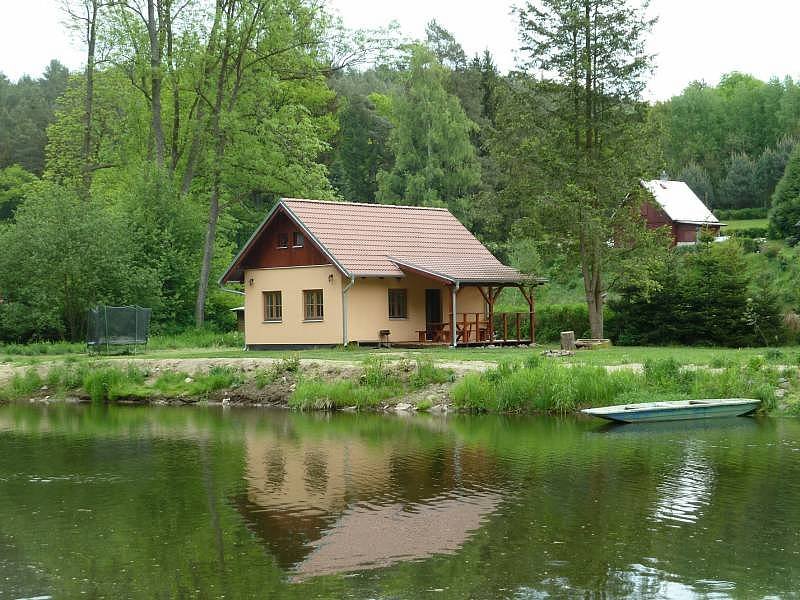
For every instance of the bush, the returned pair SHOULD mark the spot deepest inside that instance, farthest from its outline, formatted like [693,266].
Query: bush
[751,232]
[707,296]
[741,214]
[552,319]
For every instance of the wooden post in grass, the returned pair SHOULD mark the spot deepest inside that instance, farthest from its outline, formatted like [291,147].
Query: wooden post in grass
[568,340]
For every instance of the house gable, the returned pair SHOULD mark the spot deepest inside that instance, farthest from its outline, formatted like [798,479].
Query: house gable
[265,249]
[654,215]
[268,252]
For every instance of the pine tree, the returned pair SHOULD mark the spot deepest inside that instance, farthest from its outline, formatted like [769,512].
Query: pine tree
[697,178]
[739,189]
[770,167]
[785,213]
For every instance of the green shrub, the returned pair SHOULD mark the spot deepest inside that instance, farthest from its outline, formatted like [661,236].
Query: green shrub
[217,378]
[289,364]
[751,232]
[707,295]
[376,373]
[741,214]
[475,392]
[552,319]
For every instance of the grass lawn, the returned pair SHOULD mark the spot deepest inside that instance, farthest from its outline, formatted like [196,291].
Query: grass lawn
[745,224]
[612,356]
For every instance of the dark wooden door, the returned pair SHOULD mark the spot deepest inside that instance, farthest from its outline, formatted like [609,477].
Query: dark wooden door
[433,312]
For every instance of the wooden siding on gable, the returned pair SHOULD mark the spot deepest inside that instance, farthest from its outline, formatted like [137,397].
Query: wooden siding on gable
[265,252]
[681,232]
[654,216]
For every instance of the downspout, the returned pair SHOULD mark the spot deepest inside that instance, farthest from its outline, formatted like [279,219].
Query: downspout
[454,291]
[346,312]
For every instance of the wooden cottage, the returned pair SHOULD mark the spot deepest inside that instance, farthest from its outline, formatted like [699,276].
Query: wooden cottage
[327,273]
[676,206]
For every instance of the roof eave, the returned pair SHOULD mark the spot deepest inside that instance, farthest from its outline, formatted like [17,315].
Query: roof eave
[511,278]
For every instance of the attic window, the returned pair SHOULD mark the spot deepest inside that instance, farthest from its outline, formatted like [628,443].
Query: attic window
[297,239]
[283,240]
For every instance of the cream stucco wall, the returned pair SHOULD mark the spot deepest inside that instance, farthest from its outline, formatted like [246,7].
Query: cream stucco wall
[367,301]
[368,307]
[293,329]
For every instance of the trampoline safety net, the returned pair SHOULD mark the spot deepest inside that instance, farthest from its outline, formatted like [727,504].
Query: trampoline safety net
[117,326]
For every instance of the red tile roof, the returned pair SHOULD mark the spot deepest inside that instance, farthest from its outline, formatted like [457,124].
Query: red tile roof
[384,240]
[365,238]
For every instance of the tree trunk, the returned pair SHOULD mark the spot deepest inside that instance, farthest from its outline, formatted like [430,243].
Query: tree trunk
[591,267]
[88,116]
[153,33]
[595,303]
[208,255]
[176,98]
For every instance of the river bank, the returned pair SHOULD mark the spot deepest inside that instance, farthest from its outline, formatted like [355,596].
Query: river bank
[523,383]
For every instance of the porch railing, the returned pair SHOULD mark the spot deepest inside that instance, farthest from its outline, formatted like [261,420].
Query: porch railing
[477,328]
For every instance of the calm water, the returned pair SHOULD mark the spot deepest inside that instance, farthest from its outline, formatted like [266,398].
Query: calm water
[170,502]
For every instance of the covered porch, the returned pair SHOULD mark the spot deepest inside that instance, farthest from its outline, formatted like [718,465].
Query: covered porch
[460,324]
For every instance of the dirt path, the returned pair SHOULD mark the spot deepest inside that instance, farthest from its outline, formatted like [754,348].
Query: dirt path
[202,365]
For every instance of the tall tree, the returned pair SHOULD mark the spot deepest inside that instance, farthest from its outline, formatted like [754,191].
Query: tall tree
[739,189]
[434,159]
[87,18]
[770,167]
[784,216]
[591,151]
[27,107]
[697,178]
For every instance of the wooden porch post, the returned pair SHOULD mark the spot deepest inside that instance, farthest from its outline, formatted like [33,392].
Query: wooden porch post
[453,293]
[529,297]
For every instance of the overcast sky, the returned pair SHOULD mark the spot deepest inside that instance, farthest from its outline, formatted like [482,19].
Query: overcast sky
[694,39]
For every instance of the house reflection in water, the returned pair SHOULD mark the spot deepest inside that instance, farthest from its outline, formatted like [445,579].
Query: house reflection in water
[335,503]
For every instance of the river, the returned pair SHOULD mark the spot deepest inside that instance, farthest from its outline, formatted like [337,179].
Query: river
[165,502]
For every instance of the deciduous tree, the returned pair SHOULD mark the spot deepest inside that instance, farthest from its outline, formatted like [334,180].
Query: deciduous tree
[592,147]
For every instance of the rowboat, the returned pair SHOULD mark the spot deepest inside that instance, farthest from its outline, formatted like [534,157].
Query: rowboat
[675,411]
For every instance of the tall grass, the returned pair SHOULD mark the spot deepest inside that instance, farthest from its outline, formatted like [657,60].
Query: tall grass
[379,380]
[550,387]
[103,382]
[193,338]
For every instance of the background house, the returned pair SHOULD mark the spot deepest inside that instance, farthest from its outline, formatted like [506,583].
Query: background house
[326,273]
[678,207]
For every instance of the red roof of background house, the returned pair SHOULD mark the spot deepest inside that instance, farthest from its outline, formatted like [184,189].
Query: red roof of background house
[377,240]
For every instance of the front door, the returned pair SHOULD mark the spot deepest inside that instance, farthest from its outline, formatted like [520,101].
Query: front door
[433,312]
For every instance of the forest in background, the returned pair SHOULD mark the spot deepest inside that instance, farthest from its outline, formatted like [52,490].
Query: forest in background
[137,179]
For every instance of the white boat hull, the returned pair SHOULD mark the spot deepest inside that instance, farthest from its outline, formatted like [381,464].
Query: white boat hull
[646,412]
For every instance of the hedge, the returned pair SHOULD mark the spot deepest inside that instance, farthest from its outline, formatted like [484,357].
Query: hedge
[740,214]
[551,320]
